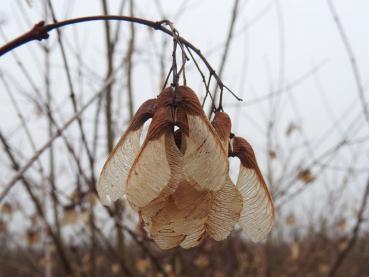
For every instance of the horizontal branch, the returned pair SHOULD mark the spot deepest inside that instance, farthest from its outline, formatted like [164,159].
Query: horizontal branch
[40,31]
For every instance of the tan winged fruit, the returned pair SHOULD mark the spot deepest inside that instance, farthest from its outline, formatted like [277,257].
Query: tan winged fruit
[257,216]
[184,216]
[178,179]
[227,202]
[113,176]
[197,164]
[205,160]
[179,215]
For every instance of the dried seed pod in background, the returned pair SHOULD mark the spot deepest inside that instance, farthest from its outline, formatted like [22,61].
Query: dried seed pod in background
[110,186]
[257,216]
[7,208]
[33,236]
[306,176]
[3,226]
[72,216]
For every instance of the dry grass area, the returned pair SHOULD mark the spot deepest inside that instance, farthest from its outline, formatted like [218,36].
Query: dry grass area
[310,256]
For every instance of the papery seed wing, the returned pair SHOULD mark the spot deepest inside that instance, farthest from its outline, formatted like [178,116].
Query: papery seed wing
[155,206]
[167,239]
[225,211]
[148,212]
[167,226]
[190,217]
[226,202]
[183,222]
[185,209]
[257,215]
[193,224]
[151,210]
[161,229]
[149,174]
[113,176]
[195,237]
[186,196]
[154,167]
[185,213]
[222,125]
[205,161]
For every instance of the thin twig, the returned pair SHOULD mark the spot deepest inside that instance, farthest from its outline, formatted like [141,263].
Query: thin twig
[58,133]
[38,205]
[72,94]
[129,58]
[225,53]
[351,55]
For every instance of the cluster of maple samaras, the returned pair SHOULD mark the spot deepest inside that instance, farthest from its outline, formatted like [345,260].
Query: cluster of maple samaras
[178,180]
